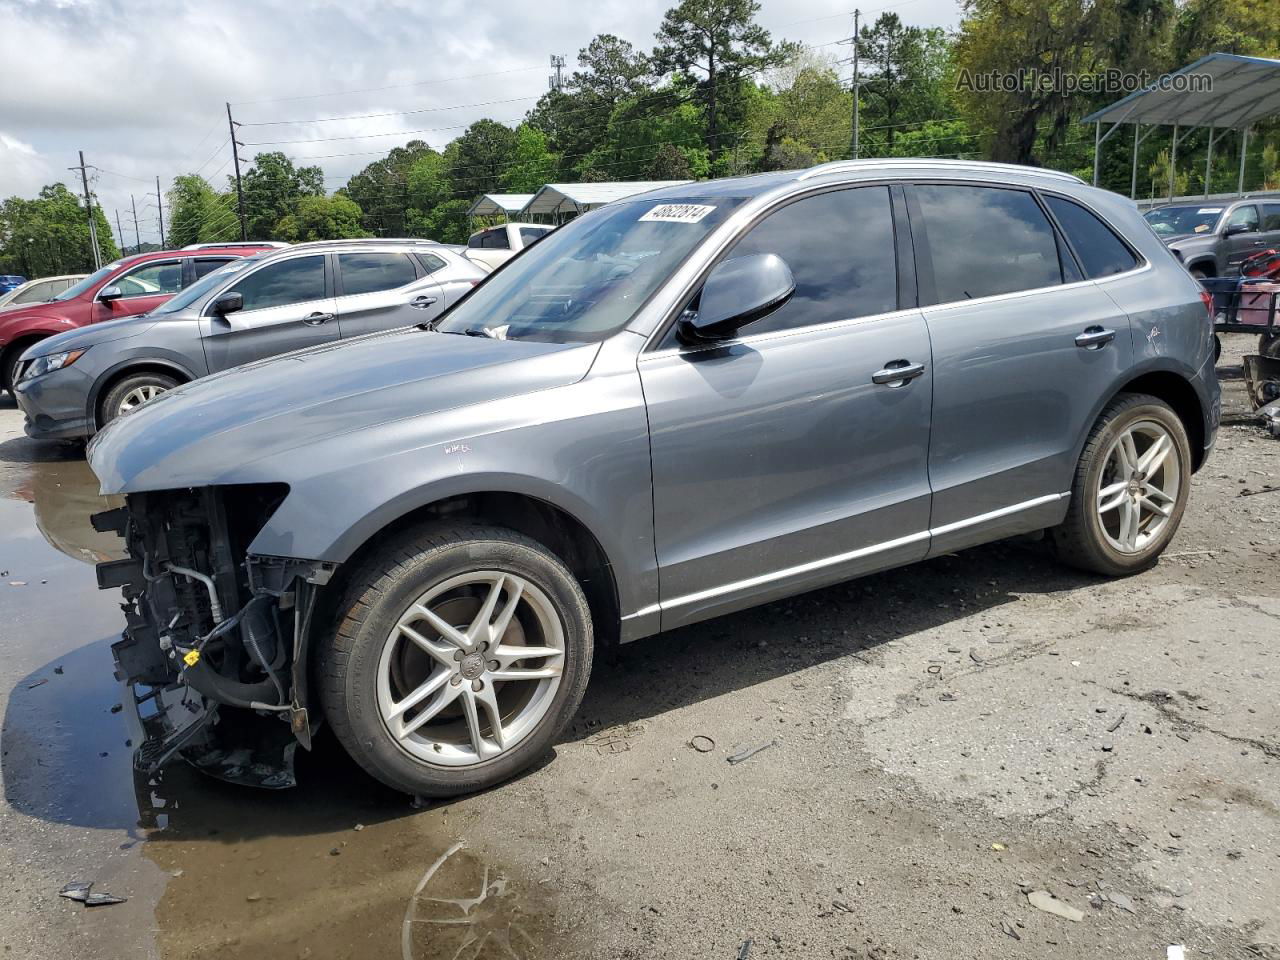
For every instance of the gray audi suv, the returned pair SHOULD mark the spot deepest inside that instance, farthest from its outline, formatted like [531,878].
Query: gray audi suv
[674,407]
[285,299]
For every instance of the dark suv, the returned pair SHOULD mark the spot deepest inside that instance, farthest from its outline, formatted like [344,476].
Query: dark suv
[1213,238]
[674,407]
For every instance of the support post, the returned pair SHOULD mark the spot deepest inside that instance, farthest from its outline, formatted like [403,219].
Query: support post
[235,156]
[1137,141]
[1173,161]
[160,210]
[88,206]
[857,85]
[1244,149]
[124,244]
[1208,163]
[1097,148]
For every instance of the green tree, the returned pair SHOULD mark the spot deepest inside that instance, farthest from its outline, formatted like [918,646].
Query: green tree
[906,72]
[809,107]
[715,44]
[611,70]
[50,234]
[199,214]
[272,189]
[531,163]
[480,159]
[381,189]
[669,163]
[322,218]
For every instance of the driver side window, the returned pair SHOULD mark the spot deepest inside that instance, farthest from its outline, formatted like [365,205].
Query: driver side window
[279,284]
[1246,216]
[153,280]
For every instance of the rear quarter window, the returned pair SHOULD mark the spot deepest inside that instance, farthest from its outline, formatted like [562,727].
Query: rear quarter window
[1101,252]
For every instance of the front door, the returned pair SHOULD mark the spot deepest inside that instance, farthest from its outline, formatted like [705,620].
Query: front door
[1020,359]
[143,288]
[789,458]
[1240,246]
[288,305]
[380,290]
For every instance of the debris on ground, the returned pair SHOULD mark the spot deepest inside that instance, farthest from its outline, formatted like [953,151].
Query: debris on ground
[1115,725]
[39,683]
[746,753]
[1176,952]
[744,951]
[1046,901]
[1122,901]
[80,891]
[702,744]
[998,846]
[1009,930]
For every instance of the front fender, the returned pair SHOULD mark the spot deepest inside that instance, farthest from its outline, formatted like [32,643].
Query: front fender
[163,361]
[37,328]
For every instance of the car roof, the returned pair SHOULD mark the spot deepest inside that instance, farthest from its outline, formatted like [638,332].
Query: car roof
[240,251]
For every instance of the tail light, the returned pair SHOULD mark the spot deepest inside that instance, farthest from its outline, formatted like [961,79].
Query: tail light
[1207,299]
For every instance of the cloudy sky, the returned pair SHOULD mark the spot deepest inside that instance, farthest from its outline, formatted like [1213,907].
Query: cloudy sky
[140,85]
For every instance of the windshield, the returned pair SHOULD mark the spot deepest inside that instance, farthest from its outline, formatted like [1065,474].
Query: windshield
[88,282]
[1170,221]
[202,286]
[586,280]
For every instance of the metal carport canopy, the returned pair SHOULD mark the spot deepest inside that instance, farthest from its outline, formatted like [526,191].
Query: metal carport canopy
[554,198]
[1241,91]
[493,204]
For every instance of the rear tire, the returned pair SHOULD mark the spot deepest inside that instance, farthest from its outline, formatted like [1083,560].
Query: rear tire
[387,653]
[1126,500]
[134,389]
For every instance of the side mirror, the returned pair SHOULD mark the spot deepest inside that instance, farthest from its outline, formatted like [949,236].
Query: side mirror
[1235,228]
[228,303]
[107,294]
[738,292]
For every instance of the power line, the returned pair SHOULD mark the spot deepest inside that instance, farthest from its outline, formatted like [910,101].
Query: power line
[393,86]
[392,113]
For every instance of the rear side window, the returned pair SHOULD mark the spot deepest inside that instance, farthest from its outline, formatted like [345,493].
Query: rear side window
[279,284]
[430,262]
[205,265]
[840,249]
[1271,216]
[529,234]
[986,241]
[370,272]
[495,239]
[1101,252]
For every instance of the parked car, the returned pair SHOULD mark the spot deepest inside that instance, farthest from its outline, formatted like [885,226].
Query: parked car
[677,406]
[38,291]
[10,281]
[496,245]
[1212,239]
[272,302]
[129,286]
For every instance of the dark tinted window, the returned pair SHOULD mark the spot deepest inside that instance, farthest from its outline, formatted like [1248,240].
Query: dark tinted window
[495,239]
[368,272]
[986,241]
[205,265]
[1244,215]
[839,247]
[1271,216]
[430,262]
[1099,249]
[529,234]
[289,281]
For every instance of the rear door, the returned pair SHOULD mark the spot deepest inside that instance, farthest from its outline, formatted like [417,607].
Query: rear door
[792,456]
[288,305]
[1023,348]
[383,289]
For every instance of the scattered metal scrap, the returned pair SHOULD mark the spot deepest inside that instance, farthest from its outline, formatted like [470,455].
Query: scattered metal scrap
[81,892]
[746,753]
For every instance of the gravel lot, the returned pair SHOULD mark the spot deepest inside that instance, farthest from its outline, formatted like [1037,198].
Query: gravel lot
[942,740]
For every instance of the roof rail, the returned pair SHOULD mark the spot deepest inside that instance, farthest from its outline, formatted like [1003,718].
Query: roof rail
[366,240]
[898,163]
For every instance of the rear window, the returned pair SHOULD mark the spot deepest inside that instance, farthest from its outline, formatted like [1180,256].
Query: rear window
[1100,251]
[987,241]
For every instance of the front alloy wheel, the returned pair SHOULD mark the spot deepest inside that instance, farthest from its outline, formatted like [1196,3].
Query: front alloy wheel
[459,655]
[1139,489]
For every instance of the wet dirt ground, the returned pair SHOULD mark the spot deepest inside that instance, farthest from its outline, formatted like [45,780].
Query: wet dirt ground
[941,740]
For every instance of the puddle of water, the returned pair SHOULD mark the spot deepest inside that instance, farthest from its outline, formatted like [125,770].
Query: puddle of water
[249,873]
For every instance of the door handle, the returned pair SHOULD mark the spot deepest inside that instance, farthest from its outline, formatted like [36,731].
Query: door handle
[422,302]
[315,319]
[898,373]
[1095,338]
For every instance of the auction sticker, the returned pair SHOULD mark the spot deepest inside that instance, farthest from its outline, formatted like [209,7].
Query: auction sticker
[677,213]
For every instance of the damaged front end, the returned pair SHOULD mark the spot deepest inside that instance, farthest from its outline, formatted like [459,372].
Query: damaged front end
[210,627]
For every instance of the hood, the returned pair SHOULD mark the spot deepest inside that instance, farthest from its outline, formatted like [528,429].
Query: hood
[84,337]
[214,430]
[1191,240]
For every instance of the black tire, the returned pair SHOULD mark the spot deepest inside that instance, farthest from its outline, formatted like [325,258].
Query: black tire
[394,573]
[1269,346]
[9,365]
[1079,540]
[109,408]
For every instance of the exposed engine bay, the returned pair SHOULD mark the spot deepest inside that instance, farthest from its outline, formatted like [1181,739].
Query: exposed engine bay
[214,647]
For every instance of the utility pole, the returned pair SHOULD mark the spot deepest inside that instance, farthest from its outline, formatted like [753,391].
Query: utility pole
[557,64]
[88,206]
[235,155]
[137,238]
[124,244]
[856,83]
[160,210]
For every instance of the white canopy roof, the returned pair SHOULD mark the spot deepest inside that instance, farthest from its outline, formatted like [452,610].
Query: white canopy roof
[580,197]
[1242,91]
[492,204]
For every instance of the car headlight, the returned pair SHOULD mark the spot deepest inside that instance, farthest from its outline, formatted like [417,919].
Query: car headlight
[51,362]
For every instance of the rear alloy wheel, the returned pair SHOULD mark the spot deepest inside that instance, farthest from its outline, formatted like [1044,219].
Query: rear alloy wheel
[460,653]
[133,391]
[1130,489]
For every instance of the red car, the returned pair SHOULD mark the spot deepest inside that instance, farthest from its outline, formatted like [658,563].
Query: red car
[125,288]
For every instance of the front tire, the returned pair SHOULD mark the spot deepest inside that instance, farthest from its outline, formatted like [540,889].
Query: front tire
[460,654]
[135,389]
[1130,489]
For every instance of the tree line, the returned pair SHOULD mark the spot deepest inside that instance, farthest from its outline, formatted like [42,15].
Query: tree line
[716,95]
